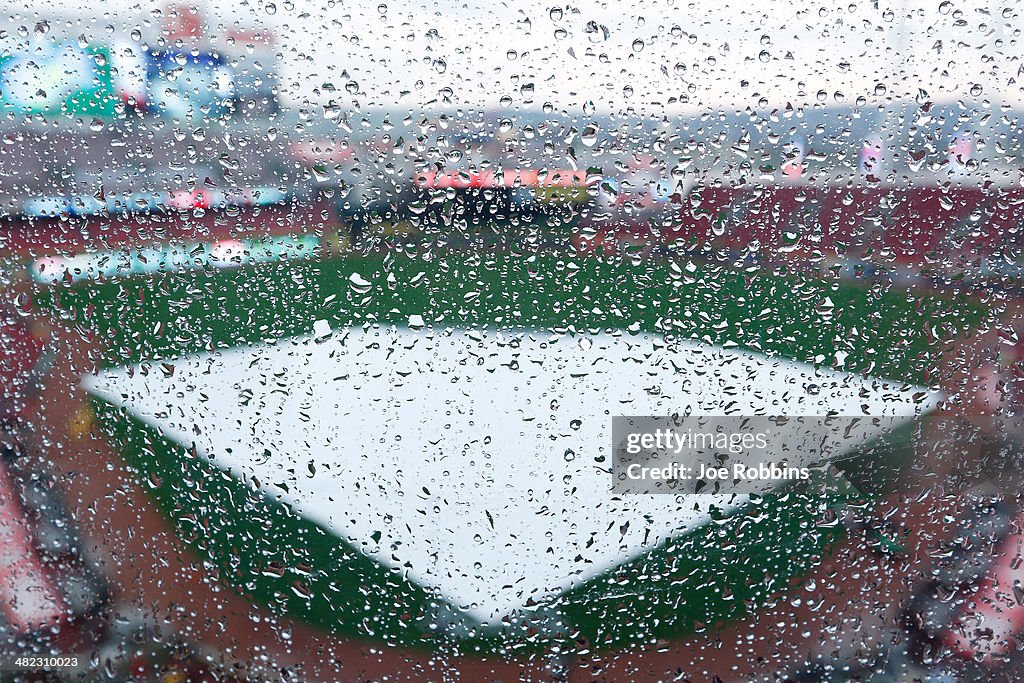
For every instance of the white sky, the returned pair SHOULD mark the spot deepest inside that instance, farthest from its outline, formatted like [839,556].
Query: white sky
[407,52]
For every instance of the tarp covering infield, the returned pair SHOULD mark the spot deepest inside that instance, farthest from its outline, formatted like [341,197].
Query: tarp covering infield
[218,372]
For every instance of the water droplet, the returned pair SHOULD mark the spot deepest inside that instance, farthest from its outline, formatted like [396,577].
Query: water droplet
[332,111]
[359,284]
[597,32]
[589,134]
[23,304]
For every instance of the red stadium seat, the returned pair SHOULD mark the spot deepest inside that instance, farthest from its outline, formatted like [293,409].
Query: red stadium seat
[848,217]
[922,219]
[702,210]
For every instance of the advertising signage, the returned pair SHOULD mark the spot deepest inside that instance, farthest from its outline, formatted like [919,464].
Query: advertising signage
[58,78]
[189,85]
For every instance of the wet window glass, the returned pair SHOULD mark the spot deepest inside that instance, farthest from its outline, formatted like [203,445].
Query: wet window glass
[511,341]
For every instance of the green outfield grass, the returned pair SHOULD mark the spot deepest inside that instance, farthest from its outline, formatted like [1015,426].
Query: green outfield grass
[897,334]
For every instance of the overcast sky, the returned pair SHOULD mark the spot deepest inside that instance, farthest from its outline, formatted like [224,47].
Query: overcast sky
[651,55]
